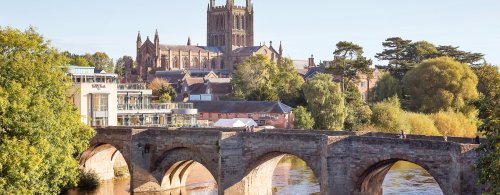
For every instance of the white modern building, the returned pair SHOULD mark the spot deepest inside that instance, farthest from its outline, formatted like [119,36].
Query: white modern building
[103,102]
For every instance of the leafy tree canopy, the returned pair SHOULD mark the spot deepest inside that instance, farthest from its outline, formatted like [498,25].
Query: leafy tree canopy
[40,131]
[260,79]
[403,55]
[441,84]
[387,116]
[489,87]
[303,118]
[387,86]
[349,62]
[325,100]
[120,65]
[358,113]
[100,60]
[253,79]
[161,89]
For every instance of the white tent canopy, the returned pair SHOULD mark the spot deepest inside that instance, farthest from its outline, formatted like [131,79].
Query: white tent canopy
[235,122]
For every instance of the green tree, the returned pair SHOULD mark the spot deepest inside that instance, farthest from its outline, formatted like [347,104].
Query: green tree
[254,79]
[458,55]
[420,51]
[325,101]
[403,55]
[120,65]
[40,131]
[349,62]
[161,89]
[358,113]
[489,88]
[288,83]
[395,53]
[101,61]
[441,84]
[387,116]
[489,164]
[303,118]
[387,86]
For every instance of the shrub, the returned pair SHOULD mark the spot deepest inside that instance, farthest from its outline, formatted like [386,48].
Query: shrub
[454,124]
[88,180]
[421,124]
[388,116]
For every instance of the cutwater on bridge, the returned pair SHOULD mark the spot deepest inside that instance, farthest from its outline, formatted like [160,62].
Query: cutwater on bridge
[243,162]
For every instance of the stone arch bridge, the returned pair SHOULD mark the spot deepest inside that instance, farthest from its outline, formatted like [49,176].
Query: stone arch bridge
[243,162]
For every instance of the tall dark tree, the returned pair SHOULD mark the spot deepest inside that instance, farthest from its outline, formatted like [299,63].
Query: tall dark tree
[461,56]
[120,65]
[395,53]
[349,62]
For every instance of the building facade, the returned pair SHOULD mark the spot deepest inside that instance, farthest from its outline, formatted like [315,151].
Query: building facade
[230,40]
[264,113]
[103,102]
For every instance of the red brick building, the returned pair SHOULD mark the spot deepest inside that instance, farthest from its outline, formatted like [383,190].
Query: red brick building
[263,113]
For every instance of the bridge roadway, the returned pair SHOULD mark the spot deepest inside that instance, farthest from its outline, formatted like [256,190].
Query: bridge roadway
[243,162]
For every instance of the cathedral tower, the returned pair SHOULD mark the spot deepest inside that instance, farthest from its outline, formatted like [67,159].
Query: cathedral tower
[230,26]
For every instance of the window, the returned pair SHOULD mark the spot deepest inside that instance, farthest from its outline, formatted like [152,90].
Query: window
[219,116]
[97,109]
[362,84]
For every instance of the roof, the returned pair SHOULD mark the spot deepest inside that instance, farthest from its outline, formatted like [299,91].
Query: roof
[190,48]
[172,76]
[221,88]
[242,107]
[247,50]
[313,71]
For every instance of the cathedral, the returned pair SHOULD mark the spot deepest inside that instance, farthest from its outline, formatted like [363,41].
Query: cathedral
[230,40]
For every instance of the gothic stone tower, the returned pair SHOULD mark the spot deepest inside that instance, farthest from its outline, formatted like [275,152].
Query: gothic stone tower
[230,26]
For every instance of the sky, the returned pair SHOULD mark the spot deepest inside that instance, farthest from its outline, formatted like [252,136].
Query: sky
[304,27]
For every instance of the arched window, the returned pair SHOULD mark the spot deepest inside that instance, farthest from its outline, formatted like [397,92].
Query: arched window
[235,19]
[243,40]
[187,65]
[195,62]
[205,63]
[176,62]
[244,22]
[213,63]
[237,22]
[241,23]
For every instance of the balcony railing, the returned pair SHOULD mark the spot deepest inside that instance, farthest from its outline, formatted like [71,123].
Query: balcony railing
[132,86]
[155,106]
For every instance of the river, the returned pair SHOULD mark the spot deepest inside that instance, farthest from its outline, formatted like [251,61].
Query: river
[292,176]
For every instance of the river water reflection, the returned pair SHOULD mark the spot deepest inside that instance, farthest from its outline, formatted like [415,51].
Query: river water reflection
[292,176]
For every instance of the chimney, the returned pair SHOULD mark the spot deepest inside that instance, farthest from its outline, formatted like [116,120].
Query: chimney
[311,62]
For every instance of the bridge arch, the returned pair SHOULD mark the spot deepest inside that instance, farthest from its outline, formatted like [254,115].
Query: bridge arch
[103,158]
[371,179]
[172,167]
[258,176]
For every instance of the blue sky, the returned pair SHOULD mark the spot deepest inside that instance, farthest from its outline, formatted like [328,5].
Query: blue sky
[304,26]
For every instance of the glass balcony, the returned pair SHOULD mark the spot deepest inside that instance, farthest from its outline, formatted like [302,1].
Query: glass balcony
[132,86]
[155,106]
